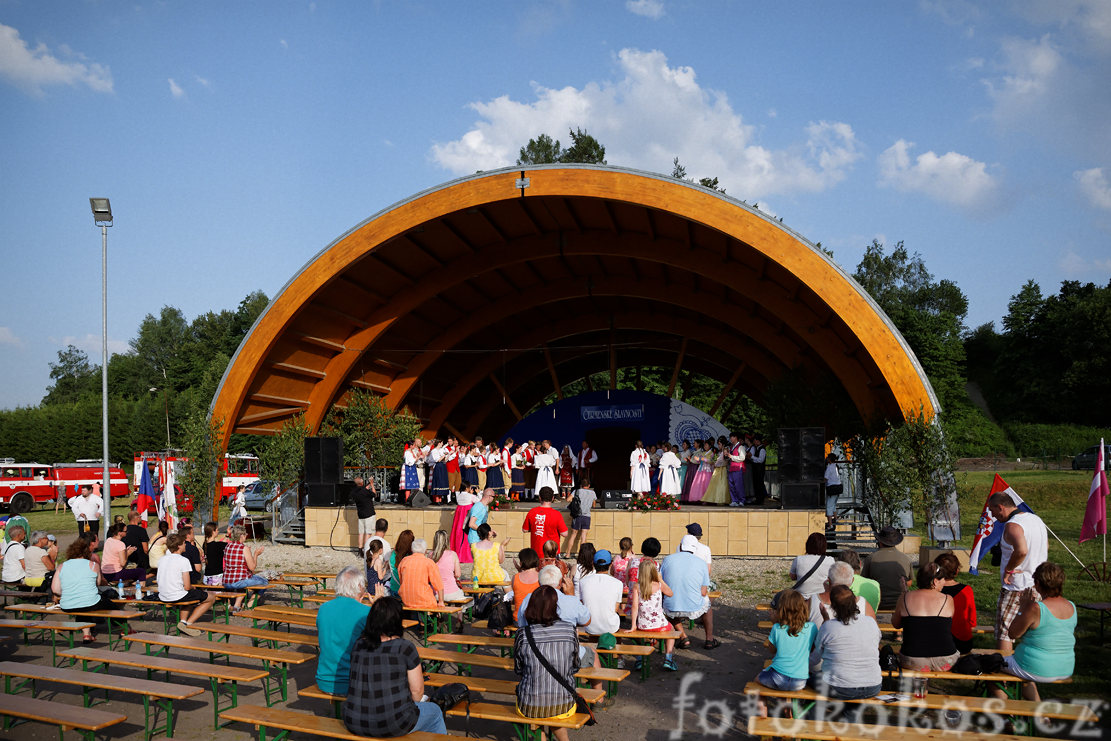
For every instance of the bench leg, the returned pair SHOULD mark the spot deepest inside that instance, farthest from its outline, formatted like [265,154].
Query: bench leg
[166,705]
[233,687]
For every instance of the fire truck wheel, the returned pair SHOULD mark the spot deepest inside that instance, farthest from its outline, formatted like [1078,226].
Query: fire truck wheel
[21,503]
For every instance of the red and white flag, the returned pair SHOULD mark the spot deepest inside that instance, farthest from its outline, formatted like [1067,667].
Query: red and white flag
[1095,516]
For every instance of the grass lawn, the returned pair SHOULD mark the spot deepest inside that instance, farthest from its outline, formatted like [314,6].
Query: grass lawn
[63,524]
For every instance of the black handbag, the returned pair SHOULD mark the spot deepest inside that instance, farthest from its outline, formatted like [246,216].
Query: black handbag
[581,705]
[775,599]
[501,615]
[448,696]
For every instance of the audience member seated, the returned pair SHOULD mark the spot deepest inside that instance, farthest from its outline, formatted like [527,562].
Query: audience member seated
[869,589]
[964,602]
[926,617]
[488,556]
[41,559]
[214,545]
[240,564]
[421,585]
[539,693]
[402,548]
[136,537]
[15,558]
[1046,631]
[114,558]
[76,580]
[527,577]
[692,542]
[840,573]
[845,662]
[650,549]
[646,609]
[813,565]
[601,593]
[790,641]
[339,623]
[551,558]
[447,561]
[175,584]
[387,680]
[569,609]
[378,574]
[889,566]
[158,544]
[621,561]
[689,580]
[584,566]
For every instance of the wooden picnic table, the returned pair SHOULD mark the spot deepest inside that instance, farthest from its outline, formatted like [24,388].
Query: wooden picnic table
[83,720]
[258,635]
[42,627]
[122,618]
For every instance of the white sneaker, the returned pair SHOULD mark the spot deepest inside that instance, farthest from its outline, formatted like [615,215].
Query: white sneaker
[734,504]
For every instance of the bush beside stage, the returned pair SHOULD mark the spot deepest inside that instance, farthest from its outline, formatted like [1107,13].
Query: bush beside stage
[727,532]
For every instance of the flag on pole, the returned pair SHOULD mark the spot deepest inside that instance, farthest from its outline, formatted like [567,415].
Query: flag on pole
[145,502]
[1095,516]
[987,534]
[169,498]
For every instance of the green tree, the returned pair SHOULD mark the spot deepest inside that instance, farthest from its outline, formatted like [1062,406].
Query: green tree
[373,434]
[73,377]
[543,150]
[201,475]
[679,172]
[281,457]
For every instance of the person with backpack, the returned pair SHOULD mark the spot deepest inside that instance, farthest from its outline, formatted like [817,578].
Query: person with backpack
[579,508]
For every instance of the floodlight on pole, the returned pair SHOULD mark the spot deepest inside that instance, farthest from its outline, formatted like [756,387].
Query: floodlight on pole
[102,217]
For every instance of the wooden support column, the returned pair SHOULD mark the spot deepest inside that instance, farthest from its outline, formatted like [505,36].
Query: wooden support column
[678,365]
[728,387]
[552,371]
[505,395]
[589,381]
[613,361]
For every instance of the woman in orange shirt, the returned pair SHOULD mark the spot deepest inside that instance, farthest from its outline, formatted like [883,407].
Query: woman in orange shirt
[527,578]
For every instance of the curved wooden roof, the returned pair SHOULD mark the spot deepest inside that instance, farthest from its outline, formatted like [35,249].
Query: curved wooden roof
[471,302]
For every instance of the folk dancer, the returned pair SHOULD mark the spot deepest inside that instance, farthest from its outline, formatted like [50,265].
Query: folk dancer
[566,472]
[517,487]
[585,458]
[639,480]
[482,465]
[451,460]
[757,462]
[736,471]
[410,482]
[494,471]
[469,464]
[670,483]
[440,486]
[545,463]
[529,454]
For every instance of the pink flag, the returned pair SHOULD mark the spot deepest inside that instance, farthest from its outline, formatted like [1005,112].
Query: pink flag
[1095,516]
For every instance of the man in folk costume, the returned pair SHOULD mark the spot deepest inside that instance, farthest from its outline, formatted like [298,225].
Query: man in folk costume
[483,464]
[585,458]
[529,454]
[420,454]
[639,479]
[757,461]
[451,460]
[736,471]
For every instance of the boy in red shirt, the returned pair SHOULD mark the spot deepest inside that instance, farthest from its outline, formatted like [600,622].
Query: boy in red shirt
[544,522]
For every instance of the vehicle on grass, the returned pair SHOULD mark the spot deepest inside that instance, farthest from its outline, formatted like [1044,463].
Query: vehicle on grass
[237,469]
[260,495]
[23,485]
[1087,459]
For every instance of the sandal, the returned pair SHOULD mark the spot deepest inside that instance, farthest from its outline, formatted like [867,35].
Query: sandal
[712,643]
[683,643]
[88,639]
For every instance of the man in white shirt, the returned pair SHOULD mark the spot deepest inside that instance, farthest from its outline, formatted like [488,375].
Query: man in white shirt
[87,510]
[175,585]
[380,528]
[1025,546]
[601,593]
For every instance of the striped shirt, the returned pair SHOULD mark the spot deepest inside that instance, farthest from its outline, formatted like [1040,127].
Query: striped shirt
[539,694]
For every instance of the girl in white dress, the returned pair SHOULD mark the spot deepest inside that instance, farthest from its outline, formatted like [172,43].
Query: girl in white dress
[639,478]
[670,483]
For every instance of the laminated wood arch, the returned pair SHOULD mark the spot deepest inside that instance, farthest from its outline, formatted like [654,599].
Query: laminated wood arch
[428,299]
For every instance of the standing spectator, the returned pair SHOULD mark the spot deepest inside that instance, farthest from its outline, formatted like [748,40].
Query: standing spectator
[601,593]
[136,537]
[540,694]
[869,589]
[238,507]
[889,566]
[447,562]
[240,564]
[833,489]
[812,567]
[175,584]
[1025,546]
[41,559]
[480,511]
[87,508]
[421,585]
[339,623]
[387,680]
[544,522]
[580,525]
[214,545]
[15,558]
[460,524]
[689,580]
[364,510]
[847,651]
[964,602]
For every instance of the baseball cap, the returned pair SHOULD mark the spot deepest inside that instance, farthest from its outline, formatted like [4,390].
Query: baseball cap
[607,641]
[603,557]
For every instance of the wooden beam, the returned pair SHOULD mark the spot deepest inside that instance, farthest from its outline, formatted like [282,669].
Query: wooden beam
[271,399]
[505,396]
[613,361]
[455,432]
[552,370]
[270,414]
[678,366]
[370,386]
[300,370]
[728,387]
[589,382]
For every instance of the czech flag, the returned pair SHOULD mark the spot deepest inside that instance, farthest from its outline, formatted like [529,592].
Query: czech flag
[987,533]
[145,502]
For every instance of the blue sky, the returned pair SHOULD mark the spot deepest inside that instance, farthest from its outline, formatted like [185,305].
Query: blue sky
[236,140]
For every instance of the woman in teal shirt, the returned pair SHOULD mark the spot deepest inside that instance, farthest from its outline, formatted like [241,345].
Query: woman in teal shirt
[75,582]
[1047,628]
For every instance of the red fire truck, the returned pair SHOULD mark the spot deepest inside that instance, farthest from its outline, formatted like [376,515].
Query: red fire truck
[237,469]
[23,485]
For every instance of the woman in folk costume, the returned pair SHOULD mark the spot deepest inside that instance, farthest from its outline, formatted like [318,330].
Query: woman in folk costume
[507,451]
[517,487]
[670,483]
[694,458]
[439,488]
[683,451]
[410,482]
[718,490]
[566,472]
[639,480]
[483,465]
[546,462]
[495,478]
[469,465]
[459,532]
[705,470]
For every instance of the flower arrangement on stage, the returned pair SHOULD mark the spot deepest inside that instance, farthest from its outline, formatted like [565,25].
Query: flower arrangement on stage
[500,501]
[653,502]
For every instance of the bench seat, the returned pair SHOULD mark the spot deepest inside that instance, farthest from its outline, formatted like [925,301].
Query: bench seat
[52,712]
[286,720]
[821,730]
[508,714]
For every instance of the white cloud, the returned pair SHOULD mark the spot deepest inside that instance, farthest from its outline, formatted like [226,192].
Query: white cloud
[33,69]
[1090,18]
[7,337]
[284,43]
[1094,185]
[175,89]
[1077,267]
[952,178]
[1028,70]
[648,8]
[652,114]
[202,81]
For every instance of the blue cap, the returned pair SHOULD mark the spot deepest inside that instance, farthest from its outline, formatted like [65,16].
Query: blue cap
[603,557]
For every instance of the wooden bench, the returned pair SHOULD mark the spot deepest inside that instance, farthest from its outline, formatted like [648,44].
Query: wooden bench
[163,693]
[259,635]
[83,720]
[167,608]
[508,714]
[121,617]
[315,577]
[277,617]
[42,627]
[432,617]
[20,595]
[889,628]
[268,656]
[216,674]
[296,588]
[284,720]
[822,730]
[505,645]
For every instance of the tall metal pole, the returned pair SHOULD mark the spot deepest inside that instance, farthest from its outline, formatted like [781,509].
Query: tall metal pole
[106,486]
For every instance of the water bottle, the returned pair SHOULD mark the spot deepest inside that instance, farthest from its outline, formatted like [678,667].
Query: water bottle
[476,581]
[138,590]
[119,590]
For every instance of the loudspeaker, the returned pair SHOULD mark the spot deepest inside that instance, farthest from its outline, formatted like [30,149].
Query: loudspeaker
[615,498]
[804,495]
[420,500]
[801,453]
[323,460]
[322,495]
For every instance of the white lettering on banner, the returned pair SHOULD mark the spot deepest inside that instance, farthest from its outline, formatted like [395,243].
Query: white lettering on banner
[613,413]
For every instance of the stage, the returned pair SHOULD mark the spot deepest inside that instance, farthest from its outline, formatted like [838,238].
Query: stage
[728,531]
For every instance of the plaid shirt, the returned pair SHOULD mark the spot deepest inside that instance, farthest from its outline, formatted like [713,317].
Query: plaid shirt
[379,702]
[235,566]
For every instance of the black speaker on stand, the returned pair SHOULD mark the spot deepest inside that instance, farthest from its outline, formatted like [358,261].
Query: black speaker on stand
[801,466]
[323,460]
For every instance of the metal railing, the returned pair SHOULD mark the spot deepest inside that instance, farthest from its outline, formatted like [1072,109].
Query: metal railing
[286,510]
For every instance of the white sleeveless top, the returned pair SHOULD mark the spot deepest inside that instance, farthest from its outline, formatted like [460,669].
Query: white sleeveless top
[1037,550]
